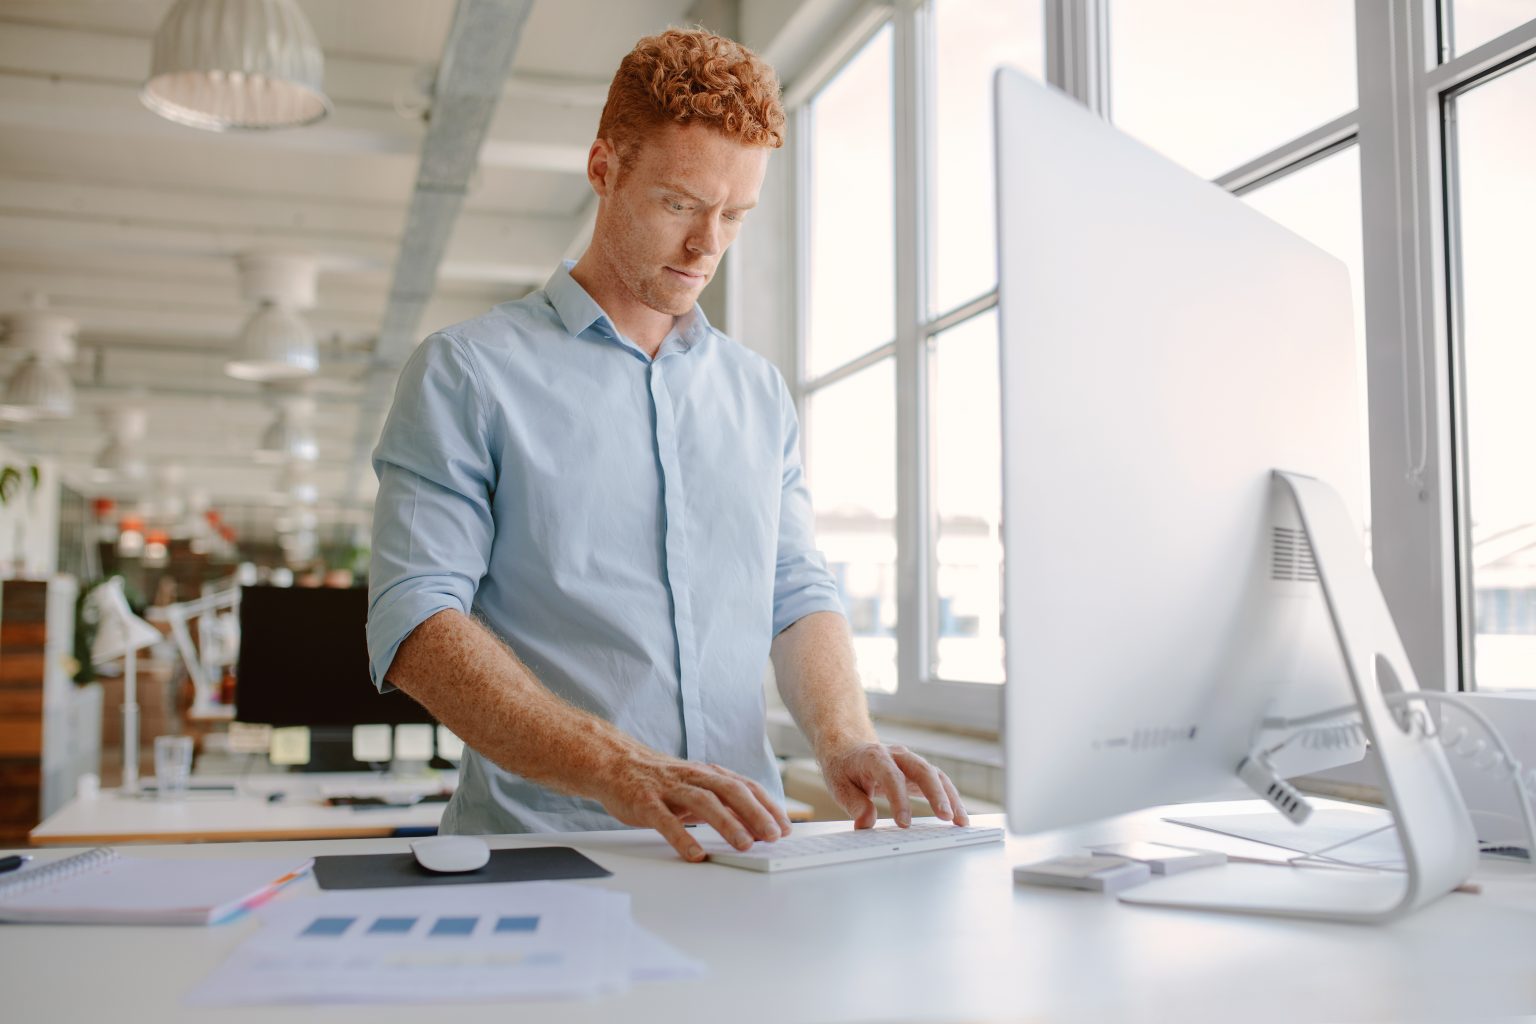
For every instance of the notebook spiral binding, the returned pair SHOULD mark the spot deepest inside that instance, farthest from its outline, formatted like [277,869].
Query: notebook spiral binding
[46,874]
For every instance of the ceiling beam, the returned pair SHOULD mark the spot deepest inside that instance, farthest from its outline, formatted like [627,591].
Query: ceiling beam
[109,276]
[474,66]
[485,248]
[64,287]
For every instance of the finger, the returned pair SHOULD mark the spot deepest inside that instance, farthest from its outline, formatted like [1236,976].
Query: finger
[868,813]
[852,798]
[893,784]
[779,816]
[708,806]
[927,778]
[961,817]
[672,830]
[749,801]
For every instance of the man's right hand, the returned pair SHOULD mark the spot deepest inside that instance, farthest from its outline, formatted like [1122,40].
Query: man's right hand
[664,793]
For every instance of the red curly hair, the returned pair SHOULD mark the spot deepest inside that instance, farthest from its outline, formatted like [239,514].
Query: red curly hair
[689,76]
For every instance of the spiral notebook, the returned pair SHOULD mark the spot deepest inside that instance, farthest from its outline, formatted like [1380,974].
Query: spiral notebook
[103,886]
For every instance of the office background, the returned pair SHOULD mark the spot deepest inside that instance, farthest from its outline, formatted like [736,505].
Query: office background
[137,255]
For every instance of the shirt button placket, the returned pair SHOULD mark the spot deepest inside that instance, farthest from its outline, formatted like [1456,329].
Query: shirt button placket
[675,558]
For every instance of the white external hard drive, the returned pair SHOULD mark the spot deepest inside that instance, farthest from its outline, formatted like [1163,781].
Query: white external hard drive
[1100,874]
[1163,860]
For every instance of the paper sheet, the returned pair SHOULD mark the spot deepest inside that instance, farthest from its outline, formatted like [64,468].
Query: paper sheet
[1323,830]
[532,940]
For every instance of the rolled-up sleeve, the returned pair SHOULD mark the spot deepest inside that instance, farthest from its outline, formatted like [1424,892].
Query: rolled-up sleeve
[801,582]
[432,519]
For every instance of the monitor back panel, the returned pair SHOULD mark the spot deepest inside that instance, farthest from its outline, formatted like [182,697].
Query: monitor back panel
[1163,348]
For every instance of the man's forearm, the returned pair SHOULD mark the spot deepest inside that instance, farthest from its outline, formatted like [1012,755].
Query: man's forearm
[818,678]
[475,685]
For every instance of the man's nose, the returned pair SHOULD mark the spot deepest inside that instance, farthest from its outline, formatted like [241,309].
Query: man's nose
[705,240]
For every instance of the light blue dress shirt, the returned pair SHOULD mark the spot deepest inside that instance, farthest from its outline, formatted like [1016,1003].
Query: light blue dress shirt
[636,530]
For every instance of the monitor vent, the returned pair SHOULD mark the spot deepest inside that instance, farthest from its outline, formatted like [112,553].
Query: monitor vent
[1148,737]
[1152,737]
[1291,556]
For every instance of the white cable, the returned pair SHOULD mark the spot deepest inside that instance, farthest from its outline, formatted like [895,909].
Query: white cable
[1501,759]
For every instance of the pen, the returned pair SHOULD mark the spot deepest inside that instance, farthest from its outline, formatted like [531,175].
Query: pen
[13,862]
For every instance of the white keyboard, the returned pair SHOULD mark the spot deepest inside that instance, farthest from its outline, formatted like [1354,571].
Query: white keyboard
[840,847]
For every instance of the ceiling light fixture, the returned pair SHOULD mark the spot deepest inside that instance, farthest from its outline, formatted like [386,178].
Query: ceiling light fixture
[120,459]
[276,343]
[287,439]
[224,65]
[40,388]
[290,437]
[296,485]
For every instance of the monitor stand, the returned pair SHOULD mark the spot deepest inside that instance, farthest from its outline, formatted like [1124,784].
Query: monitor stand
[1439,845]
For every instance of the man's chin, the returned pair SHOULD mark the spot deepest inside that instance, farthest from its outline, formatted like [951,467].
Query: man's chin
[674,301]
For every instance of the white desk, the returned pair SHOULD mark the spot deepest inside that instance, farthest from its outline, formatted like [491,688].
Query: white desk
[941,936]
[247,814]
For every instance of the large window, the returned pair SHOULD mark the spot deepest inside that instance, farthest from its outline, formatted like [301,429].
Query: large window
[959,47]
[896,254]
[970,40]
[851,470]
[1468,24]
[898,355]
[849,311]
[1215,83]
[1495,166]
[967,502]
[850,285]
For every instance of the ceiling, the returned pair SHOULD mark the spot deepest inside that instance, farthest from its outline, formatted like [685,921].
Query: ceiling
[130,224]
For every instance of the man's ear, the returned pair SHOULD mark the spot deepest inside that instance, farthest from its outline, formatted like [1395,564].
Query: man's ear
[602,166]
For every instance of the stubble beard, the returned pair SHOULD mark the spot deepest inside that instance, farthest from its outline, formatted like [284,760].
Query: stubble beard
[656,293]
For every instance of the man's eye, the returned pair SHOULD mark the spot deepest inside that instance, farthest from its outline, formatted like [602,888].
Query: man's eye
[679,207]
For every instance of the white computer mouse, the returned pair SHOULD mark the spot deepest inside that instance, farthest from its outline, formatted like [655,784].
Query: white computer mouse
[451,854]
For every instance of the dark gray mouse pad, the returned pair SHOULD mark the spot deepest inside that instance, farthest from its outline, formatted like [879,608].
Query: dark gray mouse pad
[391,870]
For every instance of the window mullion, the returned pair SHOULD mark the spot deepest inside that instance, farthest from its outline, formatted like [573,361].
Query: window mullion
[913,536]
[1077,51]
[1412,497]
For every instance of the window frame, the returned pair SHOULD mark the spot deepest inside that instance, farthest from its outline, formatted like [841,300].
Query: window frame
[1445,85]
[1404,128]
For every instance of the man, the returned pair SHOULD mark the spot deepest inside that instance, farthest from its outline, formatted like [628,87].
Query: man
[613,489]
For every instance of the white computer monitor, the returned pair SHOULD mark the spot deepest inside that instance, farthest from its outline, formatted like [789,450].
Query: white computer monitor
[1164,350]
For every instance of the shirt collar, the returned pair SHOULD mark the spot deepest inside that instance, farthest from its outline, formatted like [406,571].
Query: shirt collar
[578,310]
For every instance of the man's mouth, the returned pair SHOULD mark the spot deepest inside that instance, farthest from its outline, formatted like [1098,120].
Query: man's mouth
[688,276]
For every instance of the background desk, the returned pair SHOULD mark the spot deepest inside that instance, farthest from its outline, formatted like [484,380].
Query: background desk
[942,936]
[247,814]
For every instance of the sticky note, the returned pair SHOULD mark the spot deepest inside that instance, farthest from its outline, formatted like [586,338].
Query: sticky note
[290,745]
[371,743]
[413,742]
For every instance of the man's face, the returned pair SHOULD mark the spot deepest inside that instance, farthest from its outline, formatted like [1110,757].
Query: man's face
[670,213]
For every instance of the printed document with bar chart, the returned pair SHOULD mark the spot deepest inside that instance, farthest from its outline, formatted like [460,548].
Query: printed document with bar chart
[531,940]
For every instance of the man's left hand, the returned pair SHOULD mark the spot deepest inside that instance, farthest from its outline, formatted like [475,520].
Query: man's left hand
[856,775]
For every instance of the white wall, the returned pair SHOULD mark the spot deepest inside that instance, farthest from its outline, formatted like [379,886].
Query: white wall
[760,307]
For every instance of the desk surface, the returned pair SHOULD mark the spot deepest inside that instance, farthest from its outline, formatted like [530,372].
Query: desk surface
[939,936]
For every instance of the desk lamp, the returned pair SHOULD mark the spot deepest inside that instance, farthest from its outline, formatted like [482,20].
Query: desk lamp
[122,634]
